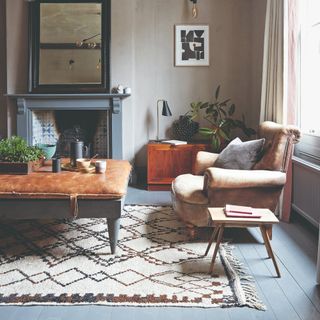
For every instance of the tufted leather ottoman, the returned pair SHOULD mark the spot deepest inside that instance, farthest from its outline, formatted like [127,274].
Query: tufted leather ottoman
[43,194]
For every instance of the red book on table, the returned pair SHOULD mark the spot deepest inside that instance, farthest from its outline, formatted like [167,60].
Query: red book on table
[240,212]
[242,215]
[238,209]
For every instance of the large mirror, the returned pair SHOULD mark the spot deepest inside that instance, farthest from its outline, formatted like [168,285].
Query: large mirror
[69,46]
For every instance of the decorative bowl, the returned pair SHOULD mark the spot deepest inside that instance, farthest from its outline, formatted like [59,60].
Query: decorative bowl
[48,149]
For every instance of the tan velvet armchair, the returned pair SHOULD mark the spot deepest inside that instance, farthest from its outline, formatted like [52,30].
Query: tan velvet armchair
[260,187]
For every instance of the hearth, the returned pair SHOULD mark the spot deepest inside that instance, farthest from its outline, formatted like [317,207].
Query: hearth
[60,118]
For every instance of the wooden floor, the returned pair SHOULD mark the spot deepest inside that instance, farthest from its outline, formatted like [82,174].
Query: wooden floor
[293,296]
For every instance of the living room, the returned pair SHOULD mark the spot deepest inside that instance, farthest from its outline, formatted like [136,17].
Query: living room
[251,58]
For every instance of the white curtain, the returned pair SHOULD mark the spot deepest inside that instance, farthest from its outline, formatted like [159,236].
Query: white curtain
[274,64]
[274,93]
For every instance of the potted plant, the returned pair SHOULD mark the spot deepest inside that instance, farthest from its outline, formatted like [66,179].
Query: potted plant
[219,115]
[16,157]
[185,127]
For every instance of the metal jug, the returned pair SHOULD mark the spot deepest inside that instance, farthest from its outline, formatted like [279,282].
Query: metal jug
[77,151]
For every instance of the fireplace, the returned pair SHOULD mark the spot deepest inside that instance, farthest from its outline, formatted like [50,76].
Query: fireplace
[60,118]
[64,126]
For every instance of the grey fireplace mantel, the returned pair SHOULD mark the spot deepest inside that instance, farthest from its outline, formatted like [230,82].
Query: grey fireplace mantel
[26,103]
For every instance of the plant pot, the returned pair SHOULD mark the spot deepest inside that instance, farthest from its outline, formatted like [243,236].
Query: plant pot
[15,167]
[19,167]
[185,128]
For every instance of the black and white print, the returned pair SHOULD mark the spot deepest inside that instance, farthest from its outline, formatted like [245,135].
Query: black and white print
[192,45]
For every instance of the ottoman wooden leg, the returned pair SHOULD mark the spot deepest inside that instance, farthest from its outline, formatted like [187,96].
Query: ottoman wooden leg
[113,229]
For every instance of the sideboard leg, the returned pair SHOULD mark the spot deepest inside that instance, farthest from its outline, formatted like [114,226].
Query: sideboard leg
[113,229]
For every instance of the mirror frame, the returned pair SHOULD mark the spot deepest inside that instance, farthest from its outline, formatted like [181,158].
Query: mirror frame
[34,51]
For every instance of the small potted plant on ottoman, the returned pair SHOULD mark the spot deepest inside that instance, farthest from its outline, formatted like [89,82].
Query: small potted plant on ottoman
[16,157]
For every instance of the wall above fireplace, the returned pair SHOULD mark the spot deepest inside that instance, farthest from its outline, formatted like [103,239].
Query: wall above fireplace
[110,105]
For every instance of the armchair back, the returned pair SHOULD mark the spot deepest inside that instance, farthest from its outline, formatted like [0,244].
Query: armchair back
[278,146]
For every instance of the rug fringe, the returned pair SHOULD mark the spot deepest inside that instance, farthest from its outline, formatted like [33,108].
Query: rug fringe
[241,283]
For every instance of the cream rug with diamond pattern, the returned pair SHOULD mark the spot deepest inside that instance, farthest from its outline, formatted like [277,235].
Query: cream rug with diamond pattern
[69,262]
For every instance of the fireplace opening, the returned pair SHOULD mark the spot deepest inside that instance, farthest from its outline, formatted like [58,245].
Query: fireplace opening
[61,127]
[76,126]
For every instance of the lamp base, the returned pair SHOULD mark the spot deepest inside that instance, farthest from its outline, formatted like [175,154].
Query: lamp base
[156,141]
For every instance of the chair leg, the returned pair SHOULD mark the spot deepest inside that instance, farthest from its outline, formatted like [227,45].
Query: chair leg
[269,249]
[265,241]
[214,234]
[269,231]
[192,231]
[220,234]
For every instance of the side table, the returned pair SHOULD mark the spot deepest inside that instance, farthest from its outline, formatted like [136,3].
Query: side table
[166,162]
[221,221]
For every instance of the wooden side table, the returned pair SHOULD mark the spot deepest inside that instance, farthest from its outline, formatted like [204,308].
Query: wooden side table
[221,221]
[166,162]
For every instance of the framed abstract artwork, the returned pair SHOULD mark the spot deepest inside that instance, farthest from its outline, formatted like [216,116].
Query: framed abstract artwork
[191,45]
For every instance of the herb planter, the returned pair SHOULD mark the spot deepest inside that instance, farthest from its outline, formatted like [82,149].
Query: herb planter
[19,167]
[15,167]
[17,157]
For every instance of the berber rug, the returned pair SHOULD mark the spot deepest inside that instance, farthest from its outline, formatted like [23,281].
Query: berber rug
[69,262]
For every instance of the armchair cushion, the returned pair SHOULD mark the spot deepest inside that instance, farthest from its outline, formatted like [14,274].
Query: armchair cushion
[218,178]
[240,155]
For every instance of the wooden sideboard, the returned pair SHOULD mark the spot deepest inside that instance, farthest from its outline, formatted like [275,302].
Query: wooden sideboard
[166,162]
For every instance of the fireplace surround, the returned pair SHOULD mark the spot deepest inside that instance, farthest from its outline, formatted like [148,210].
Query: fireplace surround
[36,111]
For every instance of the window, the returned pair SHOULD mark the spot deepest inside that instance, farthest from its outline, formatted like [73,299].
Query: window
[309,116]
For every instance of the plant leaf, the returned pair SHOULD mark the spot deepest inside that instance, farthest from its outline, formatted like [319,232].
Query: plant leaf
[204,105]
[215,113]
[224,135]
[224,103]
[217,92]
[215,142]
[223,111]
[206,131]
[232,109]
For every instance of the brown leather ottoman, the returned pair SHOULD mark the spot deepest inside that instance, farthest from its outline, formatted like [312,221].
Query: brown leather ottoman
[43,194]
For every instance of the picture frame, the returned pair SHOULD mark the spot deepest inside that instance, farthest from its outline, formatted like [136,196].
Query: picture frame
[56,64]
[191,45]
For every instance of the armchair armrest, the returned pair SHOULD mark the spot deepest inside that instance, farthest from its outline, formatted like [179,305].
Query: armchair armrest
[218,178]
[203,161]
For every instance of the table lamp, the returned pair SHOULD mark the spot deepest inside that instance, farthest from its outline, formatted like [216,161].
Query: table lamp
[165,112]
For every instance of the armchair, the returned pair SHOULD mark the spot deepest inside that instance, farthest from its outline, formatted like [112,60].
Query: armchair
[260,187]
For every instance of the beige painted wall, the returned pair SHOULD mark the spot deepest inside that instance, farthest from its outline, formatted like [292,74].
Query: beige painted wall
[142,53]
[236,40]
[3,71]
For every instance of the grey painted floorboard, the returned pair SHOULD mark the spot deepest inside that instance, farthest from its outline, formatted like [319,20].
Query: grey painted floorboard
[25,313]
[73,312]
[294,296]
[277,300]
[7,313]
[144,197]
[297,248]
[299,298]
[248,313]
